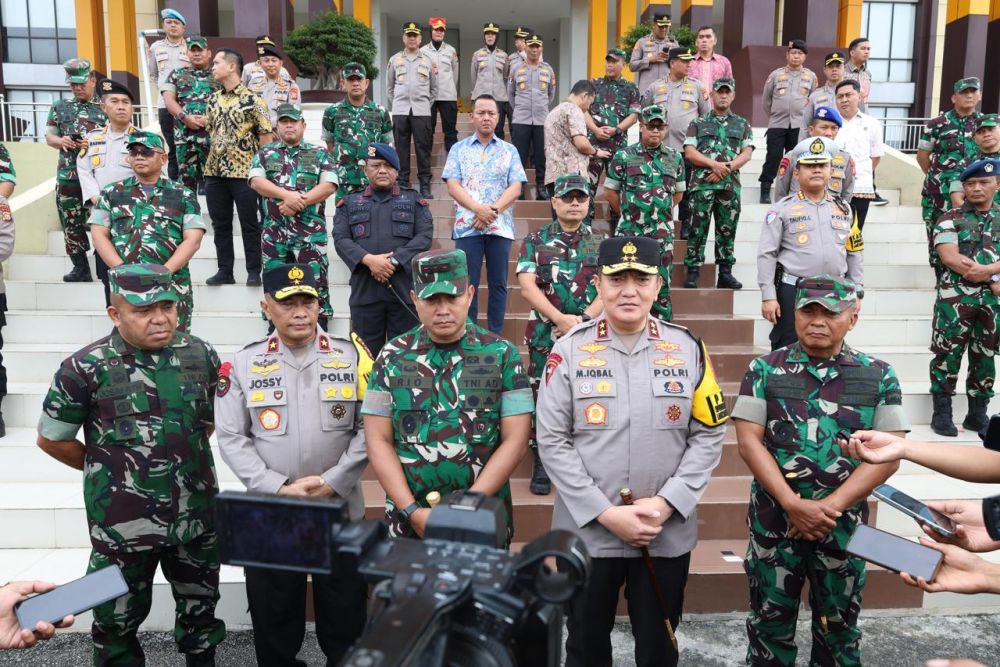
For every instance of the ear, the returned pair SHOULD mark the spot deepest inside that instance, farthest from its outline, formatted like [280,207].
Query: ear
[115,315]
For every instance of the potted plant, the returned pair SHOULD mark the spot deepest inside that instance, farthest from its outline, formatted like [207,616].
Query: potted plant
[321,47]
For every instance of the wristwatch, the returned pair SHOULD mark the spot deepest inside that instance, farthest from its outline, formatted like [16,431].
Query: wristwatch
[394,262]
[407,512]
[181,116]
[618,131]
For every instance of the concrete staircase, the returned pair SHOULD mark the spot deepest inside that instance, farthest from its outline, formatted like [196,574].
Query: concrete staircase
[41,505]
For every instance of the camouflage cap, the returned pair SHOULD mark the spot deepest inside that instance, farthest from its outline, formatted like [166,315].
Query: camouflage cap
[653,112]
[286,280]
[440,272]
[287,110]
[724,82]
[571,183]
[197,40]
[146,138]
[988,120]
[968,82]
[629,253]
[354,69]
[832,292]
[142,284]
[815,150]
[77,70]
[617,54]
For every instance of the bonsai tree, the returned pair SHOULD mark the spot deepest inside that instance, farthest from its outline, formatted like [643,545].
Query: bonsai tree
[320,48]
[682,33]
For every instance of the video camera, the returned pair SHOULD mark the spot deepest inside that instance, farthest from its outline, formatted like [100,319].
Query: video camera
[453,598]
[990,436]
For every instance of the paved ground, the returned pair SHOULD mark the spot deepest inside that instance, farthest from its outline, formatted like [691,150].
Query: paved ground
[892,639]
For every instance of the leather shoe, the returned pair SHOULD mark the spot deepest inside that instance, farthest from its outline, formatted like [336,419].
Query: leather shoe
[425,191]
[221,277]
[253,280]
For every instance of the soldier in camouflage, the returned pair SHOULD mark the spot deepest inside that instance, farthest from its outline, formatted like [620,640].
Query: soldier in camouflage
[148,218]
[68,121]
[448,405]
[350,125]
[556,269]
[614,110]
[987,138]
[945,147]
[143,395]
[294,179]
[808,497]
[643,184]
[966,307]
[185,94]
[718,144]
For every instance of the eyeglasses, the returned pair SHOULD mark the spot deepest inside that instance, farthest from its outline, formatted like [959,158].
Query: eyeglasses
[570,198]
[141,151]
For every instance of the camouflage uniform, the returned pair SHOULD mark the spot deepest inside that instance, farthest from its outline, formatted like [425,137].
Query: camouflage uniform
[802,403]
[193,88]
[646,179]
[446,402]
[721,138]
[149,479]
[302,238]
[350,129]
[69,118]
[616,100]
[965,313]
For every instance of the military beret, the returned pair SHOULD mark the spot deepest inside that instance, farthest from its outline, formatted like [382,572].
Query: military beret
[815,150]
[440,272]
[172,14]
[411,28]
[834,293]
[197,40]
[77,70]
[653,112]
[724,82]
[354,69]
[629,253]
[268,50]
[799,44]
[571,183]
[968,82]
[981,169]
[617,54]
[145,138]
[534,39]
[287,110]
[662,19]
[379,151]
[286,280]
[437,22]
[112,87]
[835,57]
[142,284]
[828,113]
[680,53]
[522,31]
[491,27]
[988,120]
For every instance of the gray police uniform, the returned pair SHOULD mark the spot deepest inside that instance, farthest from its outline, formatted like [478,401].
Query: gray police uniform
[252,69]
[279,417]
[841,178]
[164,58]
[531,90]
[683,101]
[489,77]
[786,93]
[412,87]
[282,90]
[805,239]
[650,418]
[104,162]
[647,72]
[446,101]
[825,96]
[377,222]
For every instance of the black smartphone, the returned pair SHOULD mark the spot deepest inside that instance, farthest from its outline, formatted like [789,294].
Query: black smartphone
[894,552]
[278,532]
[892,496]
[75,597]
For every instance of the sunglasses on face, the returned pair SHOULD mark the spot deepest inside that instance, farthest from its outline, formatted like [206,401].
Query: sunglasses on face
[571,197]
[141,151]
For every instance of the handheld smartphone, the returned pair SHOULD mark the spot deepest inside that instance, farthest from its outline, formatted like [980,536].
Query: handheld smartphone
[894,552]
[287,533]
[75,597]
[916,509]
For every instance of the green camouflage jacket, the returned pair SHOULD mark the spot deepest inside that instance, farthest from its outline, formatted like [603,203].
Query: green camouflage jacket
[300,168]
[646,179]
[193,87]
[948,138]
[350,129]
[7,171]
[720,138]
[616,99]
[68,118]
[978,237]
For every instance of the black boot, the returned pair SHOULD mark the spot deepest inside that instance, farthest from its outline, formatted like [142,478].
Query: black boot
[81,270]
[425,190]
[726,278]
[540,484]
[684,230]
[541,192]
[976,418]
[692,277]
[3,425]
[221,277]
[942,422]
[765,194]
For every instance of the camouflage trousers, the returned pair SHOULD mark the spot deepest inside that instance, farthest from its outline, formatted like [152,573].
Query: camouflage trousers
[185,304]
[191,156]
[960,323]
[280,247]
[933,207]
[192,569]
[777,569]
[73,218]
[725,207]
[538,338]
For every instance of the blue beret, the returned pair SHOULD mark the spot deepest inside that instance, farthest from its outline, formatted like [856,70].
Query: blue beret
[384,152]
[981,168]
[830,114]
[172,14]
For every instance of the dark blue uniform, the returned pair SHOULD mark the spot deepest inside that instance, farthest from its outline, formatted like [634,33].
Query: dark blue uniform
[376,222]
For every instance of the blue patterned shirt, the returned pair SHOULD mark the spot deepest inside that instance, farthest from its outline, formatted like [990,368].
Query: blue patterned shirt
[485,171]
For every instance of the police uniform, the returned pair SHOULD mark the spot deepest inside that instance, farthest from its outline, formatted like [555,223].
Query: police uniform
[282,414]
[645,71]
[148,474]
[412,86]
[374,221]
[253,68]
[445,105]
[786,93]
[799,403]
[643,412]
[803,238]
[683,101]
[489,75]
[842,167]
[164,57]
[531,89]
[824,96]
[274,92]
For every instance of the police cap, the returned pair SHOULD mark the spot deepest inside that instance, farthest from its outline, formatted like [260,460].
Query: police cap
[629,253]
[111,87]
[286,280]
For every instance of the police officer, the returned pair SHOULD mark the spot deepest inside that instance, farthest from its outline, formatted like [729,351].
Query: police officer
[8,178]
[808,496]
[185,94]
[825,123]
[143,397]
[680,96]
[351,125]
[377,232]
[412,84]
[987,138]
[786,93]
[805,234]
[445,59]
[164,56]
[825,95]
[68,121]
[966,307]
[555,269]
[294,179]
[649,56]
[614,110]
[629,401]
[520,54]
[269,83]
[448,406]
[489,72]
[253,68]
[718,144]
[531,89]
[146,218]
[288,423]
[644,182]
[103,159]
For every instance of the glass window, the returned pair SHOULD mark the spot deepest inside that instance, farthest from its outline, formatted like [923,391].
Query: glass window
[15,13]
[904,23]
[17,51]
[42,32]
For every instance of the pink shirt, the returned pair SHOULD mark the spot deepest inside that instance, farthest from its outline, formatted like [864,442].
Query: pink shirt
[707,71]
